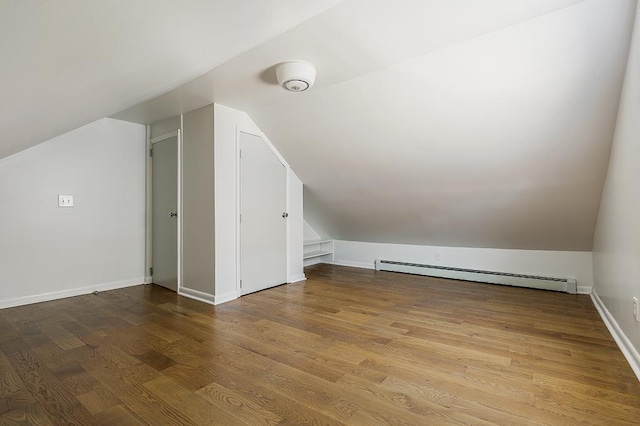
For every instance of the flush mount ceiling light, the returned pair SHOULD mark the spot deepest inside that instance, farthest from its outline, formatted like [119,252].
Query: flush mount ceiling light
[296,76]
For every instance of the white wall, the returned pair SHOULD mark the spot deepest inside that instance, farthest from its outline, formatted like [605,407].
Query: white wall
[617,240]
[227,122]
[531,262]
[47,252]
[496,139]
[197,203]
[309,233]
[295,228]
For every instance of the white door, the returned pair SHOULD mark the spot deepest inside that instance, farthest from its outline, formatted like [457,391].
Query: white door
[263,201]
[165,212]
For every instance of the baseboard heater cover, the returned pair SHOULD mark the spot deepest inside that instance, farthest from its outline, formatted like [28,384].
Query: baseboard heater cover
[568,285]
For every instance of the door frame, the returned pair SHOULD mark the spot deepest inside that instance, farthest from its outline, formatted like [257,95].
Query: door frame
[239,130]
[149,203]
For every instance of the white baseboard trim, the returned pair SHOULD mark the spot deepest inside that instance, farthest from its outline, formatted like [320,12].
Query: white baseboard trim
[584,289]
[197,295]
[206,297]
[363,265]
[297,279]
[226,297]
[629,352]
[55,295]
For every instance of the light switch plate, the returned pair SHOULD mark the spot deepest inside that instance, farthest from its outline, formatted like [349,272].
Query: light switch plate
[65,200]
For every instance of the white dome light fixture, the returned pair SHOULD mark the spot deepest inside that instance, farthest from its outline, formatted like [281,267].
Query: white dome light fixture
[296,76]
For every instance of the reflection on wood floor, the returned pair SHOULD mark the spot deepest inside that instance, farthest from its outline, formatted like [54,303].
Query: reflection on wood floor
[348,346]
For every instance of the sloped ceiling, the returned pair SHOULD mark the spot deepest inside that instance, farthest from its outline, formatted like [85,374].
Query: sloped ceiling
[501,140]
[66,63]
[474,123]
[452,122]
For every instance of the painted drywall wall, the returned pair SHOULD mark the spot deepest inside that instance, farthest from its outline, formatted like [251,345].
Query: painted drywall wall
[316,214]
[617,239]
[498,138]
[295,228]
[561,264]
[225,189]
[48,252]
[197,201]
[228,122]
[308,233]
[166,126]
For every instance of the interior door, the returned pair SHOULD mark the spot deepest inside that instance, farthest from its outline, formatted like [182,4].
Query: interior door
[165,212]
[263,200]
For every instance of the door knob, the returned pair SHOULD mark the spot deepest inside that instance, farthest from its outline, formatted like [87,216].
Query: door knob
[285,214]
[173,214]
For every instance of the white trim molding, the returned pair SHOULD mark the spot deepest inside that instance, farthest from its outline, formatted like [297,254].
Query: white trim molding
[238,207]
[206,297]
[585,289]
[197,295]
[46,297]
[297,279]
[625,345]
[179,207]
[354,264]
[225,297]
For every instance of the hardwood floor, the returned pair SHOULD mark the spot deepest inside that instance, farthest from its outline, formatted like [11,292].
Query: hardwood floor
[348,346]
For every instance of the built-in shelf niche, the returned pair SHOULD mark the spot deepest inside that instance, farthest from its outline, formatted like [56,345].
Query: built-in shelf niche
[318,251]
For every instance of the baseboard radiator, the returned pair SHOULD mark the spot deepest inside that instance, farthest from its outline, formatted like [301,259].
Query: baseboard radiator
[567,285]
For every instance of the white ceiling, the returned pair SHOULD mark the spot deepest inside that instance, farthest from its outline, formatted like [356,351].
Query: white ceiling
[66,63]
[501,140]
[477,123]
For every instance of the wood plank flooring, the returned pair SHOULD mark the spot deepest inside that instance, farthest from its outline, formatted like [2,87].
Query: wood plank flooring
[346,347]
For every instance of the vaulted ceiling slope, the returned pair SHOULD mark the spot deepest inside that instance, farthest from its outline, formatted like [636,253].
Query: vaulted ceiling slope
[473,123]
[445,122]
[66,63]
[456,138]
